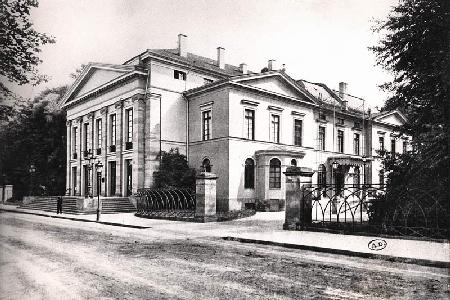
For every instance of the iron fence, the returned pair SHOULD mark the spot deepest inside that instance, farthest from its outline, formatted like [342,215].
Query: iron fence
[154,201]
[372,208]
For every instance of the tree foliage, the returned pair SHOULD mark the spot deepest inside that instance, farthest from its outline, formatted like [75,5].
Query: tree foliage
[174,171]
[20,43]
[415,48]
[34,135]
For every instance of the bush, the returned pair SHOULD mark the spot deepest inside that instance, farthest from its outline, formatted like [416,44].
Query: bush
[174,171]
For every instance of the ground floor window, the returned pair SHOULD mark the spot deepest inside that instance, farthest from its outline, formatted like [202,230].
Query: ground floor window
[275,173]
[249,180]
[112,178]
[129,177]
[322,176]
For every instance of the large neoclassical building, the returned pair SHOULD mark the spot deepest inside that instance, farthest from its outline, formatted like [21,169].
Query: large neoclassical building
[245,127]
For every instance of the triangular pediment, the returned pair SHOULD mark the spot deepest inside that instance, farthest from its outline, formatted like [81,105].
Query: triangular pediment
[277,83]
[394,118]
[94,76]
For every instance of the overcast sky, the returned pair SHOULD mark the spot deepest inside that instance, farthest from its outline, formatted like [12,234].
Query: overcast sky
[318,40]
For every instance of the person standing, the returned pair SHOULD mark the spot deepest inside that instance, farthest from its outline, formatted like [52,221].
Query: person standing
[59,205]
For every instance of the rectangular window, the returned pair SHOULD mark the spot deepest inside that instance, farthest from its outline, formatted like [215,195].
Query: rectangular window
[381,143]
[275,128]
[321,138]
[99,133]
[129,118]
[85,136]
[393,145]
[74,140]
[180,75]
[357,124]
[250,124]
[112,130]
[322,116]
[405,147]
[298,127]
[356,144]
[340,141]
[206,122]
[340,121]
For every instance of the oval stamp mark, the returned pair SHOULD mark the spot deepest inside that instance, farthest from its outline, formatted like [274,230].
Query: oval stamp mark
[377,244]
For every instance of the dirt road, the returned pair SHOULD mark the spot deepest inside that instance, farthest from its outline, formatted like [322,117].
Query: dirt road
[44,258]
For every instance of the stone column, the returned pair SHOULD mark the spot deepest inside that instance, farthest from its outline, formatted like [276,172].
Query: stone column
[119,145]
[79,155]
[138,141]
[298,199]
[205,190]
[8,192]
[104,146]
[152,137]
[68,157]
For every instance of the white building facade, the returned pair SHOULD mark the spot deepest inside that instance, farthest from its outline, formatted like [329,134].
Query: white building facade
[245,127]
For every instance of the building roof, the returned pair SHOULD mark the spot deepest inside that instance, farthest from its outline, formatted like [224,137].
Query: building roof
[191,59]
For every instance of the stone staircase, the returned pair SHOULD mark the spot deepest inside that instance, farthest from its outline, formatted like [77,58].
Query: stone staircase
[110,205]
[49,204]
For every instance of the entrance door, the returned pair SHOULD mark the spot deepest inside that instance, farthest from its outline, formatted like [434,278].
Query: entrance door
[74,181]
[87,181]
[112,178]
[129,177]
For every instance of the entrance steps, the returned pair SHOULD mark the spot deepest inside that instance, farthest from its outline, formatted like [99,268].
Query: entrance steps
[110,205]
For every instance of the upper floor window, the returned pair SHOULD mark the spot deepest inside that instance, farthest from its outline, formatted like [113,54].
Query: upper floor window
[340,141]
[381,143]
[129,119]
[180,75]
[85,136]
[206,124]
[74,139]
[357,124]
[405,146]
[275,173]
[340,121]
[381,178]
[99,133]
[275,128]
[321,138]
[393,145]
[322,116]
[250,124]
[298,124]
[112,130]
[249,176]
[356,143]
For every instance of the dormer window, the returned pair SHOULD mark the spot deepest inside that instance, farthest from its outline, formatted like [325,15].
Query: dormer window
[180,75]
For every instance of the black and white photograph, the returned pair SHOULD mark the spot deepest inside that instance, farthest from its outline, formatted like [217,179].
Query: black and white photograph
[224,149]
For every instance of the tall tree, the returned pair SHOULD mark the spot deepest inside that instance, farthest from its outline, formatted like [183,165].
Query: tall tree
[20,43]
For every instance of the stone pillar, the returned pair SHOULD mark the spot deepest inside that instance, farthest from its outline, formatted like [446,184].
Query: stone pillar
[205,208]
[8,192]
[68,157]
[138,141]
[104,146]
[1,194]
[79,155]
[119,145]
[152,137]
[298,200]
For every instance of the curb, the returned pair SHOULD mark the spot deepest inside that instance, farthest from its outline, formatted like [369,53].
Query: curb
[74,219]
[417,261]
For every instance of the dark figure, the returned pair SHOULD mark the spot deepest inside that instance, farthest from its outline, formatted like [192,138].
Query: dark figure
[59,205]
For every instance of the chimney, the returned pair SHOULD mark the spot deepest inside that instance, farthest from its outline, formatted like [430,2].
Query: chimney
[221,57]
[283,68]
[182,45]
[243,68]
[272,65]
[342,92]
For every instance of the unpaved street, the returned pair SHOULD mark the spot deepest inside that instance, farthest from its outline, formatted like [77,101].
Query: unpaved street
[43,258]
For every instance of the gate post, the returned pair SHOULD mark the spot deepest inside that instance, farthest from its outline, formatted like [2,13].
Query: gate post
[205,190]
[298,203]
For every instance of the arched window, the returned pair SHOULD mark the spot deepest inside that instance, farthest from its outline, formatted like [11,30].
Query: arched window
[293,162]
[249,176]
[275,173]
[356,177]
[322,176]
[206,165]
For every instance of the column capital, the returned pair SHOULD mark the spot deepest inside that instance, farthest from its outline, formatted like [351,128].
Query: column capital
[69,123]
[90,115]
[119,104]
[103,110]
[79,120]
[138,98]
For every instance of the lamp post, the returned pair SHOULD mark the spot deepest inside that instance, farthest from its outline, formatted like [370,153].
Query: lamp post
[98,169]
[31,170]
[334,167]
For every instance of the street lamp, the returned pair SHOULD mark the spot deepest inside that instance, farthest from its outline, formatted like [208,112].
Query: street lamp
[31,170]
[334,185]
[98,169]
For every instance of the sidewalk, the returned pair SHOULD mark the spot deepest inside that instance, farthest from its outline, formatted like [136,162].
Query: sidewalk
[265,228]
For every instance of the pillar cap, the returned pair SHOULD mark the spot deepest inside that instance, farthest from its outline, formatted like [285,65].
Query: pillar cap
[298,171]
[206,175]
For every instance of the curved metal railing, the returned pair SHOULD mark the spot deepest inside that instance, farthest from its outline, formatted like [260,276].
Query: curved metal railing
[156,200]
